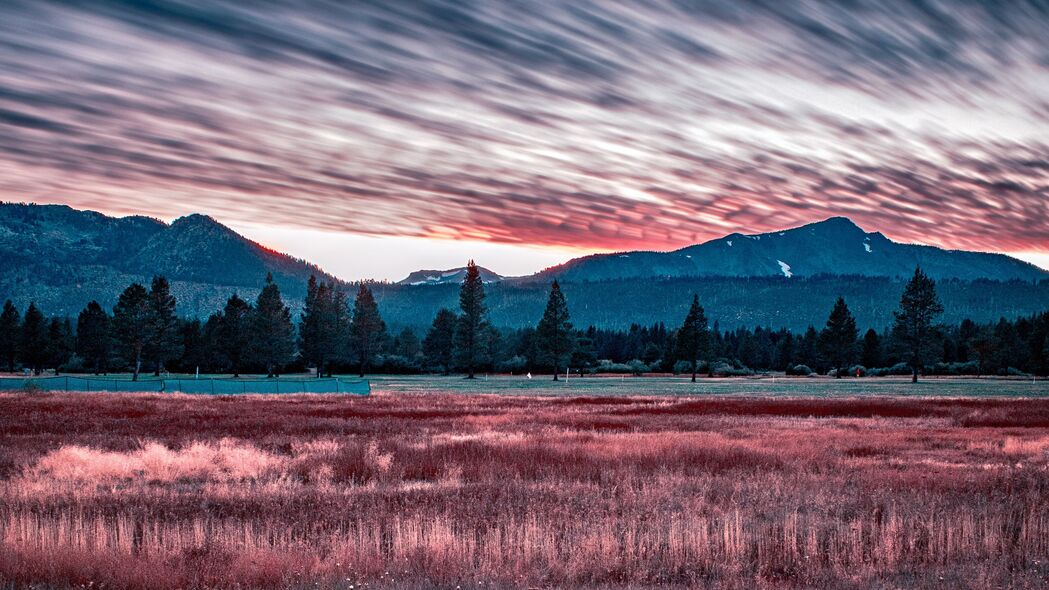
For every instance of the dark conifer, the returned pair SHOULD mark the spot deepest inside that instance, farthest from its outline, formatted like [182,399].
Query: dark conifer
[838,338]
[554,332]
[93,339]
[10,335]
[131,325]
[693,339]
[439,344]
[163,343]
[871,356]
[272,340]
[473,323]
[367,330]
[59,342]
[33,345]
[234,332]
[913,328]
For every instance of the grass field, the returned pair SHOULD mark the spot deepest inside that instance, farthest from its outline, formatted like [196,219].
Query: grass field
[846,488]
[682,386]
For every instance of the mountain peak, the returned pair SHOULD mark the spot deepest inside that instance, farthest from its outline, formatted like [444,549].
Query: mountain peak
[837,223]
[444,277]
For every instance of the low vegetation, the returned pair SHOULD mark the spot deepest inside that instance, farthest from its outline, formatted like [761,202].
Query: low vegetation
[419,491]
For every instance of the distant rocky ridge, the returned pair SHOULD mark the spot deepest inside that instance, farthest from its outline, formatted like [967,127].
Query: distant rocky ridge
[443,277]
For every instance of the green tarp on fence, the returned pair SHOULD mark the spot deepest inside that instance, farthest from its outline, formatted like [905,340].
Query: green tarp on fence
[189,385]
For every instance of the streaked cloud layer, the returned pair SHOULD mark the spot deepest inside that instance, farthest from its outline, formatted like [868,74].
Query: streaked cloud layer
[570,124]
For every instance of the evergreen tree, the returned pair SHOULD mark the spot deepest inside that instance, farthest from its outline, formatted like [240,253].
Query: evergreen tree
[871,349]
[439,344]
[33,345]
[59,342]
[163,343]
[406,344]
[309,326]
[473,323]
[913,329]
[131,325]
[583,353]
[367,330]
[235,333]
[93,340]
[554,332]
[325,325]
[195,353]
[10,335]
[693,340]
[272,342]
[838,338]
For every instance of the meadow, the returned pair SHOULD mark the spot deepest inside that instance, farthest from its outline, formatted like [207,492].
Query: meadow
[433,484]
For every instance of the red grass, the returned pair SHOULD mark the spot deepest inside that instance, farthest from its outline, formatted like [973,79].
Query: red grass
[162,491]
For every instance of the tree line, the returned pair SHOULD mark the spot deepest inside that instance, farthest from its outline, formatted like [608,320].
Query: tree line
[144,333]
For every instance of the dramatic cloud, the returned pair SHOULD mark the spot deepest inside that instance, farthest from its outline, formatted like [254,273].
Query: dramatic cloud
[586,124]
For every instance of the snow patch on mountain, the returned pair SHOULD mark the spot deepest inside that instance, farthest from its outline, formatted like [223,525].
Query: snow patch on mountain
[783,266]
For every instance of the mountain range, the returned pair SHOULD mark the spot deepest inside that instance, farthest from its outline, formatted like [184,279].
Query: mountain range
[835,246]
[62,258]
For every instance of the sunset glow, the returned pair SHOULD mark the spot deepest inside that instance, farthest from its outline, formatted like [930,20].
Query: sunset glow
[559,129]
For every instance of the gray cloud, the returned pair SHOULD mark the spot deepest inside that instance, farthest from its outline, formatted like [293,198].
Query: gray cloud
[595,124]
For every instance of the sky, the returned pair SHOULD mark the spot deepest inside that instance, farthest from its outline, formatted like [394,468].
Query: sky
[376,138]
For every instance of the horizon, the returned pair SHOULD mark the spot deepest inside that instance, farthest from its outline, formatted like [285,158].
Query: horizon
[422,136]
[323,249]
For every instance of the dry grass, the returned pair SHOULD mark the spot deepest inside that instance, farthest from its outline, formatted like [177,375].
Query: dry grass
[151,491]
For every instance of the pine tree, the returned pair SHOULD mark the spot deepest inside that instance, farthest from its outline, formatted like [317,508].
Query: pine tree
[195,353]
[554,332]
[272,342]
[439,344]
[234,332]
[871,356]
[33,345]
[367,330]
[838,338]
[406,344]
[93,340]
[10,335]
[59,342]
[693,340]
[324,326]
[913,329]
[131,325]
[163,343]
[472,324]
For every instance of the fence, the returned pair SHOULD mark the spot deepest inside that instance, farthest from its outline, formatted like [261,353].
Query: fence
[197,386]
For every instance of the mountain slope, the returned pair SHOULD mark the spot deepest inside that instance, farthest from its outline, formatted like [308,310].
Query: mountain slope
[834,246]
[442,277]
[62,258]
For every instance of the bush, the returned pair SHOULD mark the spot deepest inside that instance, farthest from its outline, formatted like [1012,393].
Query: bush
[857,371]
[681,367]
[637,367]
[395,363]
[723,369]
[803,370]
[515,364]
[969,368]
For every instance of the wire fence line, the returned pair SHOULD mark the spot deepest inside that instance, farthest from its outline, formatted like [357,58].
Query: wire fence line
[207,386]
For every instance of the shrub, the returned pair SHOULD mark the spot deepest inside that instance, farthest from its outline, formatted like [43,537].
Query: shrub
[515,364]
[803,370]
